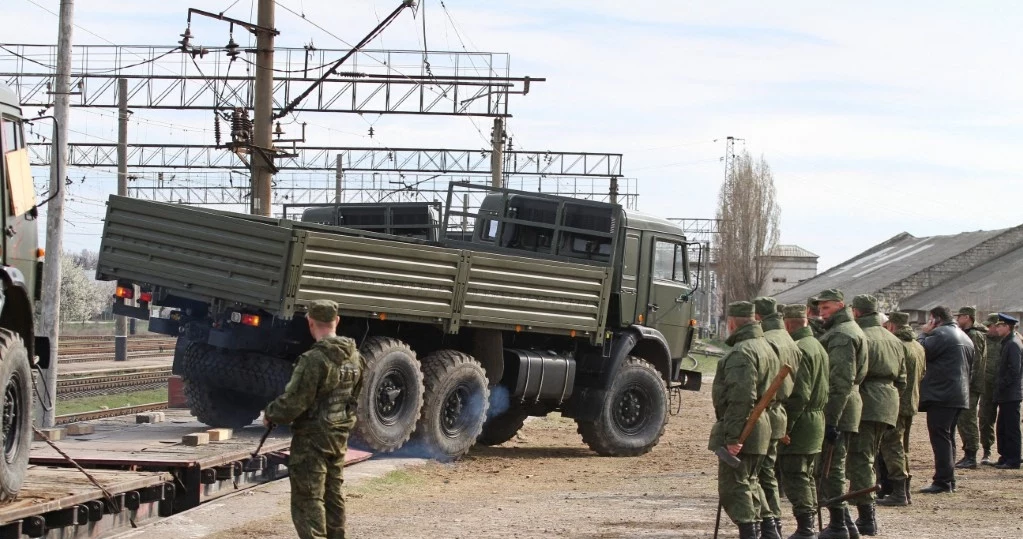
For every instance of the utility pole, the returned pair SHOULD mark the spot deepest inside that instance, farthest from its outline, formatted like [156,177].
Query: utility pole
[339,181]
[120,322]
[497,155]
[55,209]
[262,121]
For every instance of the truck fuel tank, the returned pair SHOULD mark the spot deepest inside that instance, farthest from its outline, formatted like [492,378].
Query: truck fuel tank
[536,376]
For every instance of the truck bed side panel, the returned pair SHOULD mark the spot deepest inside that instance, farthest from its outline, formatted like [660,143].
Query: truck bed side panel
[194,253]
[515,291]
[366,276]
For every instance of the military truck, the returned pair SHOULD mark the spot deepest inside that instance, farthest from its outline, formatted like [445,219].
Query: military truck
[547,304]
[22,259]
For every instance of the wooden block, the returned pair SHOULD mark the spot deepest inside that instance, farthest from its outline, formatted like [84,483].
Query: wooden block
[158,417]
[151,417]
[220,435]
[80,429]
[53,434]
[199,438]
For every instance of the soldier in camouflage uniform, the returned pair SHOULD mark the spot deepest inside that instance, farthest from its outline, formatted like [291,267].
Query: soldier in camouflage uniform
[967,426]
[988,409]
[787,351]
[847,367]
[742,377]
[813,317]
[886,376]
[319,404]
[804,431]
[895,442]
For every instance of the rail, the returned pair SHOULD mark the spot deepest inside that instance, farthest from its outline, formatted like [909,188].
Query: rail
[111,412]
[88,384]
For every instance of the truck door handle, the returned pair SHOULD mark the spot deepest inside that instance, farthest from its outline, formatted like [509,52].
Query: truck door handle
[652,307]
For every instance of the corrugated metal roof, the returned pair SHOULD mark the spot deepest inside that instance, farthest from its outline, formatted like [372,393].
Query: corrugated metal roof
[995,286]
[791,251]
[887,263]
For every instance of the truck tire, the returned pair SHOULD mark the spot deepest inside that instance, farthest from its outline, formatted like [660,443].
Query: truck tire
[16,384]
[249,374]
[500,429]
[220,408]
[180,349]
[455,406]
[633,415]
[391,397]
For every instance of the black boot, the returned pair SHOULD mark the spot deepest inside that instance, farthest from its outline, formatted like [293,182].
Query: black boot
[969,462]
[804,527]
[836,528]
[768,529]
[854,532]
[748,531]
[898,496]
[867,521]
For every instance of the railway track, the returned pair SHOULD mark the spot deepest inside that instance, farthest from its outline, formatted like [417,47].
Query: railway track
[102,349]
[86,385]
[111,412]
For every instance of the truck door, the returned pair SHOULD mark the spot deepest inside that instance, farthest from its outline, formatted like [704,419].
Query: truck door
[666,310]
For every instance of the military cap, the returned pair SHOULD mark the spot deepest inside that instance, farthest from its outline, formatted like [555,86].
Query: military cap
[323,310]
[741,309]
[812,302]
[831,294]
[1006,319]
[865,303]
[794,311]
[991,319]
[780,308]
[968,311]
[765,306]
[899,319]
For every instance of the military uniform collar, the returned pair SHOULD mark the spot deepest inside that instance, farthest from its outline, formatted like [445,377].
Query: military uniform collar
[905,333]
[802,333]
[840,316]
[749,331]
[981,329]
[871,320]
[772,321]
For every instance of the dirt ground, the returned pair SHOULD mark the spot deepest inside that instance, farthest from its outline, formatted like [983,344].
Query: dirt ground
[546,483]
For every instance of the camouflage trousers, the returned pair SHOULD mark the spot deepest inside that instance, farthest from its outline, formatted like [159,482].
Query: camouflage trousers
[738,490]
[967,426]
[767,494]
[987,412]
[895,449]
[859,466]
[315,468]
[833,479]
[798,473]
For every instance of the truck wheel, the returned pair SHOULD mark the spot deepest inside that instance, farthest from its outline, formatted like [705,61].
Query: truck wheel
[217,407]
[500,429]
[633,415]
[249,374]
[16,384]
[180,349]
[455,405]
[391,397]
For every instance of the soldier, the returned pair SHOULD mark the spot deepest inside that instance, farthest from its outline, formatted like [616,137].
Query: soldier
[1009,393]
[319,404]
[813,317]
[886,374]
[847,366]
[967,426]
[895,442]
[987,408]
[787,351]
[742,378]
[804,432]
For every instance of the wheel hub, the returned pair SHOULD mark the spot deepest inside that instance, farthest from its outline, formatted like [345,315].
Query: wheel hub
[391,396]
[11,413]
[630,408]
[453,416]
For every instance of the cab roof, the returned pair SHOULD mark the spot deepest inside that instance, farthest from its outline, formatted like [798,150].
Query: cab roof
[9,103]
[634,219]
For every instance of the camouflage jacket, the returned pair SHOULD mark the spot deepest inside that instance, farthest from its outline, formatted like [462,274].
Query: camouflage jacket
[321,395]
[742,377]
[916,365]
[847,363]
[993,346]
[886,372]
[788,353]
[805,406]
[978,371]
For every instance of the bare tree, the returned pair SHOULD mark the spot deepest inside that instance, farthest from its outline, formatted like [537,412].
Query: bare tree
[748,230]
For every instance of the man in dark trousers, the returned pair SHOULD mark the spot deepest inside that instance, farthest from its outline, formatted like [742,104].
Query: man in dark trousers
[1008,393]
[944,391]
[319,404]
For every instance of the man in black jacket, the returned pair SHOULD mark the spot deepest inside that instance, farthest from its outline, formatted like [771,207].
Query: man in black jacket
[944,391]
[1008,393]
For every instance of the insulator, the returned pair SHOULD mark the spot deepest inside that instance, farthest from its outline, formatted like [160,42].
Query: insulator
[241,126]
[216,127]
[232,49]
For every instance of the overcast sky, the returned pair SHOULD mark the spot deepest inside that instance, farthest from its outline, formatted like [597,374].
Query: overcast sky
[877,117]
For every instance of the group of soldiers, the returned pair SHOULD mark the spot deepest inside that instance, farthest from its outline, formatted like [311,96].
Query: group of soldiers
[852,394]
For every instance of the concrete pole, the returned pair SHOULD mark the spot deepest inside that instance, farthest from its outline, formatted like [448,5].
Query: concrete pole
[55,209]
[120,322]
[497,155]
[339,181]
[262,122]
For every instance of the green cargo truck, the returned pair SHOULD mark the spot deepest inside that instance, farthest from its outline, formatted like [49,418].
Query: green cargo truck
[543,304]
[20,278]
